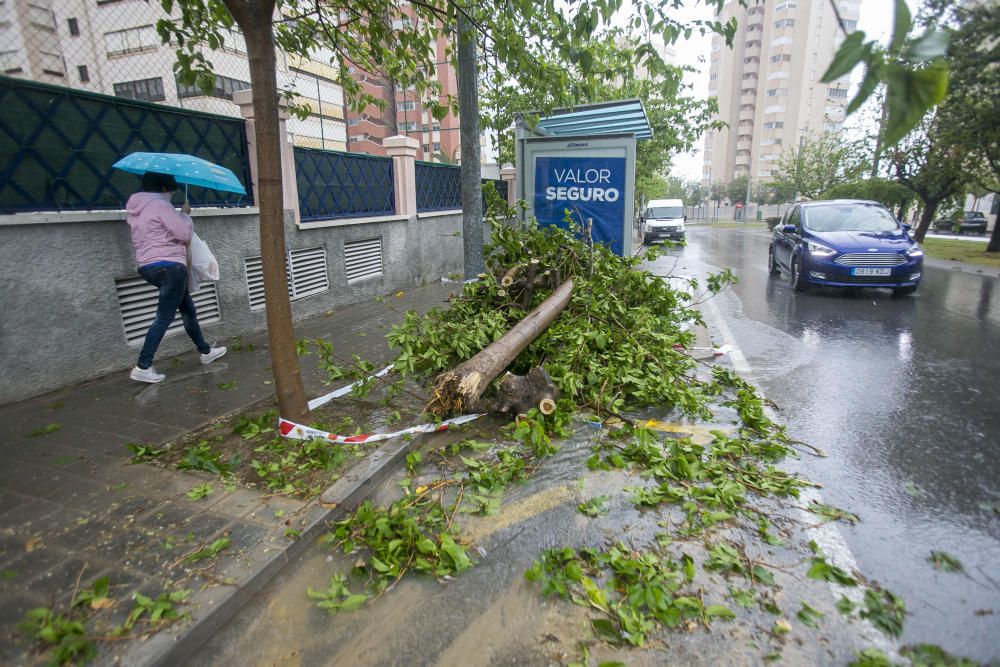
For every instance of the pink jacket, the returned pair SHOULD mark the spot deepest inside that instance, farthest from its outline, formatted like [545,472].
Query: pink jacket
[159,232]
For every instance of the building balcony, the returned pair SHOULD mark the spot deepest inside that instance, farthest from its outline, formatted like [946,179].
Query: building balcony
[748,99]
[742,161]
[744,145]
[752,52]
[747,114]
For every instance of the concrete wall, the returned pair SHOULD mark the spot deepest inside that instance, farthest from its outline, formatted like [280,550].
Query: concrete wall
[61,323]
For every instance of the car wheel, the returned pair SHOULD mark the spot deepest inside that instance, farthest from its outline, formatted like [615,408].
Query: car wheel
[904,291]
[799,283]
[772,266]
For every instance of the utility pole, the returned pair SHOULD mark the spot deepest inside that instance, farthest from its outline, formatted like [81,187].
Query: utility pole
[468,119]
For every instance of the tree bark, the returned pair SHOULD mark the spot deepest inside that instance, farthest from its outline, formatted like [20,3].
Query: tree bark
[460,389]
[468,118]
[926,216]
[255,21]
[994,244]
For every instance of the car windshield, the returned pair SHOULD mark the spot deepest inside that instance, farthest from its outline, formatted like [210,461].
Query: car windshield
[849,218]
[974,214]
[665,212]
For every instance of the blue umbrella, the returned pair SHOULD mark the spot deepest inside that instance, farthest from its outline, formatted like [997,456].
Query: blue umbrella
[186,169]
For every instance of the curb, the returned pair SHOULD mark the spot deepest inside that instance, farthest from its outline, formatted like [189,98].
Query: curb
[173,648]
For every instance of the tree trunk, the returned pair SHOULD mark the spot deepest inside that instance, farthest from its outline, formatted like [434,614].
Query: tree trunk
[460,389]
[468,118]
[926,216]
[254,20]
[994,244]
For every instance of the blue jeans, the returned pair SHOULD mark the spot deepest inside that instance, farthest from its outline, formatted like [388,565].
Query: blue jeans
[174,296]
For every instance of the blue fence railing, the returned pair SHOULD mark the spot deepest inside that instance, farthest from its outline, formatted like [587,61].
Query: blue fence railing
[439,187]
[343,185]
[57,146]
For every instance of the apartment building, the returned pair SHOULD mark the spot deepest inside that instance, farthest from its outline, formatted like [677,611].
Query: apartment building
[768,84]
[112,47]
[439,139]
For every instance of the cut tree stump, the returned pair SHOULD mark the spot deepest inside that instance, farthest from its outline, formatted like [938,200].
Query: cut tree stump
[459,390]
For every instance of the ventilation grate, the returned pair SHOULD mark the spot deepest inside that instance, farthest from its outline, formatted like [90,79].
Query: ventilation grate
[363,259]
[137,301]
[305,271]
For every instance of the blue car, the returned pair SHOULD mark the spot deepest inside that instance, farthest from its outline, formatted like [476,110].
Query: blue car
[845,243]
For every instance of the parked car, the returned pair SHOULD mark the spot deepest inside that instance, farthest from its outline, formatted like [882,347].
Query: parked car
[663,219]
[971,221]
[845,243]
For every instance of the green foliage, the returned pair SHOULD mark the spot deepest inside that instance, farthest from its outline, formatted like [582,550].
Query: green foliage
[831,513]
[928,655]
[286,466]
[820,569]
[945,562]
[594,506]
[643,590]
[251,427]
[337,596]
[156,611]
[819,163]
[493,477]
[809,617]
[201,457]
[65,636]
[913,71]
[44,430]
[143,452]
[211,551]
[870,657]
[885,610]
[613,346]
[890,194]
[200,491]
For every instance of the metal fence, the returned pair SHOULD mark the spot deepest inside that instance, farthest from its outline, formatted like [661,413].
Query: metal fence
[439,187]
[332,184]
[57,146]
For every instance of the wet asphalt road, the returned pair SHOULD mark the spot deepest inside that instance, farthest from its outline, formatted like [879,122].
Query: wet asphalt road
[902,395]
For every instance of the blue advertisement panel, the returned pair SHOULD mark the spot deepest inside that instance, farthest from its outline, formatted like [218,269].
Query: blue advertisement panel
[589,187]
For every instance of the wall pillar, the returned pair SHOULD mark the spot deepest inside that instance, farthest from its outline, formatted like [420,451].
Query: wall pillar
[403,151]
[289,187]
[508,173]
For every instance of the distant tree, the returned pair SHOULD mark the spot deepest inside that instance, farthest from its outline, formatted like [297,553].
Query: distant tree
[930,164]
[819,163]
[736,190]
[717,192]
[892,195]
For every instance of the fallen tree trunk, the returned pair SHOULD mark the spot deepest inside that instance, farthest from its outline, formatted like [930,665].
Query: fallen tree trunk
[459,390]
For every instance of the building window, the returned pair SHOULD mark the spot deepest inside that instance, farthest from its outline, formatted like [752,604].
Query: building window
[774,125]
[10,62]
[436,126]
[437,147]
[74,27]
[427,148]
[410,126]
[149,90]
[752,43]
[781,58]
[132,40]
[777,92]
[784,23]
[42,17]
[409,105]
[751,59]
[848,26]
[713,76]
[749,75]
[52,63]
[84,74]
[224,88]
[837,93]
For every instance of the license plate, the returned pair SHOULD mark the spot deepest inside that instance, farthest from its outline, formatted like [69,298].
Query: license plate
[871,272]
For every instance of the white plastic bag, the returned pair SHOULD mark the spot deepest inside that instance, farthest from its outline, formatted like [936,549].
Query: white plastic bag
[204,267]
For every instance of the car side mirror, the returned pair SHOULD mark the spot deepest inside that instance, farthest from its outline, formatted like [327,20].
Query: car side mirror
[685,218]
[789,229]
[906,226]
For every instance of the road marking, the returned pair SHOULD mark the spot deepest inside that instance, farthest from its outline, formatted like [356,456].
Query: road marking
[826,535]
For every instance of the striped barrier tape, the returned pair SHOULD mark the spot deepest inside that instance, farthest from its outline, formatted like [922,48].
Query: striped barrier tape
[290,429]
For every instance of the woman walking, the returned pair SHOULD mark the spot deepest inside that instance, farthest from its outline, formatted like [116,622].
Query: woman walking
[160,236]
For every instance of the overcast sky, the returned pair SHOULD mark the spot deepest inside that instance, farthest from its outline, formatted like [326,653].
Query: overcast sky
[875,20]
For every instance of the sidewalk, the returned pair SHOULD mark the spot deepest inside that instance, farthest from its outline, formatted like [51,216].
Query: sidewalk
[73,508]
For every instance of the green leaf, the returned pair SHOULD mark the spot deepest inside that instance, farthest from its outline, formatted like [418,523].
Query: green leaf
[719,611]
[901,26]
[809,616]
[945,562]
[932,44]
[867,87]
[848,55]
[845,606]
[909,95]
[606,630]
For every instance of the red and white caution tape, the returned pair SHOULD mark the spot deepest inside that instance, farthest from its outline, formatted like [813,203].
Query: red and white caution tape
[290,429]
[337,393]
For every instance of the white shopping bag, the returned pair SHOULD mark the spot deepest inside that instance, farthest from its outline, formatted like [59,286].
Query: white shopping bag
[204,267]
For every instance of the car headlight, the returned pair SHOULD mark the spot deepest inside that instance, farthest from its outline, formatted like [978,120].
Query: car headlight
[821,250]
[915,251]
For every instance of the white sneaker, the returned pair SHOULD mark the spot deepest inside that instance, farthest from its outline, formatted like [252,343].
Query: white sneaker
[212,355]
[146,375]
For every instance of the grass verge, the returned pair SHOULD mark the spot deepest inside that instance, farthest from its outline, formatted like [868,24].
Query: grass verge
[970,252]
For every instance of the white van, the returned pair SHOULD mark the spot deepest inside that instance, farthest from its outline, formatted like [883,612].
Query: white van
[663,219]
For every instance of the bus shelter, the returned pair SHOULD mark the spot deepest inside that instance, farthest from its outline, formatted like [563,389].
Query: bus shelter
[580,163]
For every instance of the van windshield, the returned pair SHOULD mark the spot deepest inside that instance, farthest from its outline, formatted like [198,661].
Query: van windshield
[665,212]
